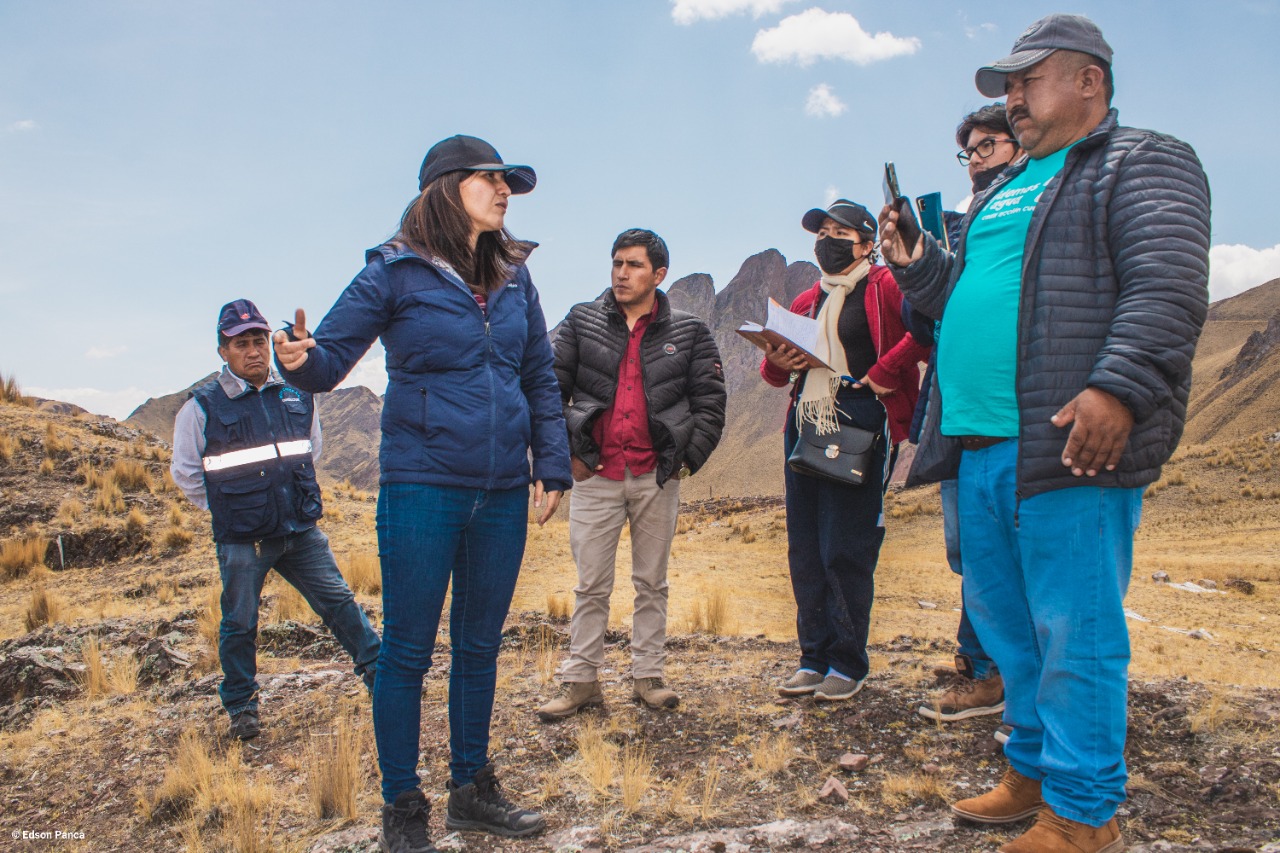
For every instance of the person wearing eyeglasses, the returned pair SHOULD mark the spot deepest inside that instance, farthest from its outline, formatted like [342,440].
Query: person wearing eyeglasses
[975,687]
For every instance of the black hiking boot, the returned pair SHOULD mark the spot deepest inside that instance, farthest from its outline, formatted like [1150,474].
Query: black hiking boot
[481,807]
[245,726]
[404,825]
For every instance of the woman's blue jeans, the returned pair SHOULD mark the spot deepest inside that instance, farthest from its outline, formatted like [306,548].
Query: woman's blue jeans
[1044,582]
[428,535]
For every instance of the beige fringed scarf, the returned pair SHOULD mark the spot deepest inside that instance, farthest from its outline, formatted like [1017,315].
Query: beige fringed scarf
[818,400]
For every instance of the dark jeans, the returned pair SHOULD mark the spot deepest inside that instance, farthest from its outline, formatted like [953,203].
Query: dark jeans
[427,535]
[305,561]
[834,533]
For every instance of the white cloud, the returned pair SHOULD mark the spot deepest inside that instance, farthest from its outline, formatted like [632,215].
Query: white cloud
[23,125]
[817,34]
[830,195]
[690,11]
[1235,268]
[973,32]
[105,352]
[823,103]
[117,404]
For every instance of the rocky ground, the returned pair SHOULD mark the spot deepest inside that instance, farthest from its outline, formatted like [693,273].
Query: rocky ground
[733,769]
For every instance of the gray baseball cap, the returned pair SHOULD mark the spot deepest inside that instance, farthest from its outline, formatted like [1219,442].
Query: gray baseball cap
[1055,32]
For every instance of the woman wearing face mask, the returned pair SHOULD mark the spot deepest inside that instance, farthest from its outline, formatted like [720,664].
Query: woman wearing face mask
[471,398]
[834,531]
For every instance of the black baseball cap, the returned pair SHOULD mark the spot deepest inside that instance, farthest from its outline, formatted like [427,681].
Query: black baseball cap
[1037,42]
[473,155]
[848,213]
[241,316]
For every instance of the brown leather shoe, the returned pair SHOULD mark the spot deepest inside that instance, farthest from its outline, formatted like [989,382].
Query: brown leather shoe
[1014,799]
[655,694]
[1053,833]
[965,698]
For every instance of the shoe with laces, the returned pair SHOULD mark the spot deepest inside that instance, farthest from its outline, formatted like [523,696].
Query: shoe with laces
[482,807]
[572,697]
[245,725]
[803,683]
[965,698]
[1053,833]
[1015,798]
[652,692]
[404,825]
[836,689]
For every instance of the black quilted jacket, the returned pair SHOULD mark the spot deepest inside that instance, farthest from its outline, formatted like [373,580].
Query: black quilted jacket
[683,380]
[1114,294]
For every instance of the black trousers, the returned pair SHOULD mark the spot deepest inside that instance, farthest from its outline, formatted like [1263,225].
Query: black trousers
[834,533]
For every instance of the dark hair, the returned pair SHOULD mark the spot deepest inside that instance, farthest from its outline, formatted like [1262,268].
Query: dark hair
[435,224]
[224,341]
[992,117]
[654,246]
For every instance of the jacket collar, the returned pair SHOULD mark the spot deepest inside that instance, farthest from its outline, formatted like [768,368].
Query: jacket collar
[235,387]
[663,313]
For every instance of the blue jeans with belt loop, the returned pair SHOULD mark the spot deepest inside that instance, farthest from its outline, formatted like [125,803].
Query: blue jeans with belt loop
[305,560]
[428,535]
[1044,581]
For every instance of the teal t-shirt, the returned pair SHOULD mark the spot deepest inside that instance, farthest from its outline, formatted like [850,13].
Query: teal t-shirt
[978,343]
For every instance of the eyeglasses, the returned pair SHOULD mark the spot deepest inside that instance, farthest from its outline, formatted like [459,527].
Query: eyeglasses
[983,149]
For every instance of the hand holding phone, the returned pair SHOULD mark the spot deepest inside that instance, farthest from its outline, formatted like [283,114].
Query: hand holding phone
[907,225]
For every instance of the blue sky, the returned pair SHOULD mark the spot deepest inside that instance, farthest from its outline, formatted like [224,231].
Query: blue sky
[158,159]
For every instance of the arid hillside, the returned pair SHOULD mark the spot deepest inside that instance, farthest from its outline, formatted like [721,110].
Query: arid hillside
[110,723]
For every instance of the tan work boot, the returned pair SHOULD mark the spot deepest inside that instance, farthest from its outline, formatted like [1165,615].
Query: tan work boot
[965,698]
[572,698]
[1015,798]
[1053,833]
[655,694]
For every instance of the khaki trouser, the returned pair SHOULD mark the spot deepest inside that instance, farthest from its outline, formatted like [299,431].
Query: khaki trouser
[597,509]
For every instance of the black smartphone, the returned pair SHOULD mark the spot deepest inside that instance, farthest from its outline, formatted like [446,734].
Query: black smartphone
[931,219]
[908,226]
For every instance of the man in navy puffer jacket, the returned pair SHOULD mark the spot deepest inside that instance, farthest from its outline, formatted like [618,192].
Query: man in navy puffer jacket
[1073,305]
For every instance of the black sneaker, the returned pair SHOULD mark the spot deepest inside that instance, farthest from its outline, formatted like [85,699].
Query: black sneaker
[481,807]
[404,825]
[244,726]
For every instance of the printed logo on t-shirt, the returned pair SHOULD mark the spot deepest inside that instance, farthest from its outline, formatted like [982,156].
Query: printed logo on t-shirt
[1014,200]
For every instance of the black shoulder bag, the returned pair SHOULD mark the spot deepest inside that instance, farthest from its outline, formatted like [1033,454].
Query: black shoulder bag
[843,457]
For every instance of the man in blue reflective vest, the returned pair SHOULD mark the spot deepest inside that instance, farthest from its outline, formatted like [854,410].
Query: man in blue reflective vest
[243,447]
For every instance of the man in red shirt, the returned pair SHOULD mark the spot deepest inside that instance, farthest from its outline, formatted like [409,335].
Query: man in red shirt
[644,397]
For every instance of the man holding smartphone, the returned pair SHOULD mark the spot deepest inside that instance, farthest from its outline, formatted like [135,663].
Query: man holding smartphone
[974,688]
[1072,310]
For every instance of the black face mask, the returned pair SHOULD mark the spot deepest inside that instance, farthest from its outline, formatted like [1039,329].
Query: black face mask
[834,255]
[983,179]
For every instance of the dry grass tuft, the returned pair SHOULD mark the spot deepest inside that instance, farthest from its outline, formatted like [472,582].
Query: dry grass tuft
[208,621]
[596,758]
[363,573]
[131,475]
[11,392]
[91,476]
[558,608]
[136,521]
[7,447]
[710,613]
[188,780]
[707,806]
[69,512]
[122,676]
[47,467]
[902,789]
[108,499]
[56,445]
[334,777]
[176,539]
[1215,715]
[19,556]
[772,754]
[45,608]
[94,677]
[637,776]
[177,518]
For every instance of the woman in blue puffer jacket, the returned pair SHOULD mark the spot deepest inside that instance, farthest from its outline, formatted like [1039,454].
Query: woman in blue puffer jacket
[470,393]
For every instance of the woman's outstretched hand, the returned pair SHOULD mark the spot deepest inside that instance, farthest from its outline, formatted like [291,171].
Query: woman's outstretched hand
[293,354]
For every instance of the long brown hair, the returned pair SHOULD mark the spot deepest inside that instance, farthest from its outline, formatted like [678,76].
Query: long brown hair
[435,224]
